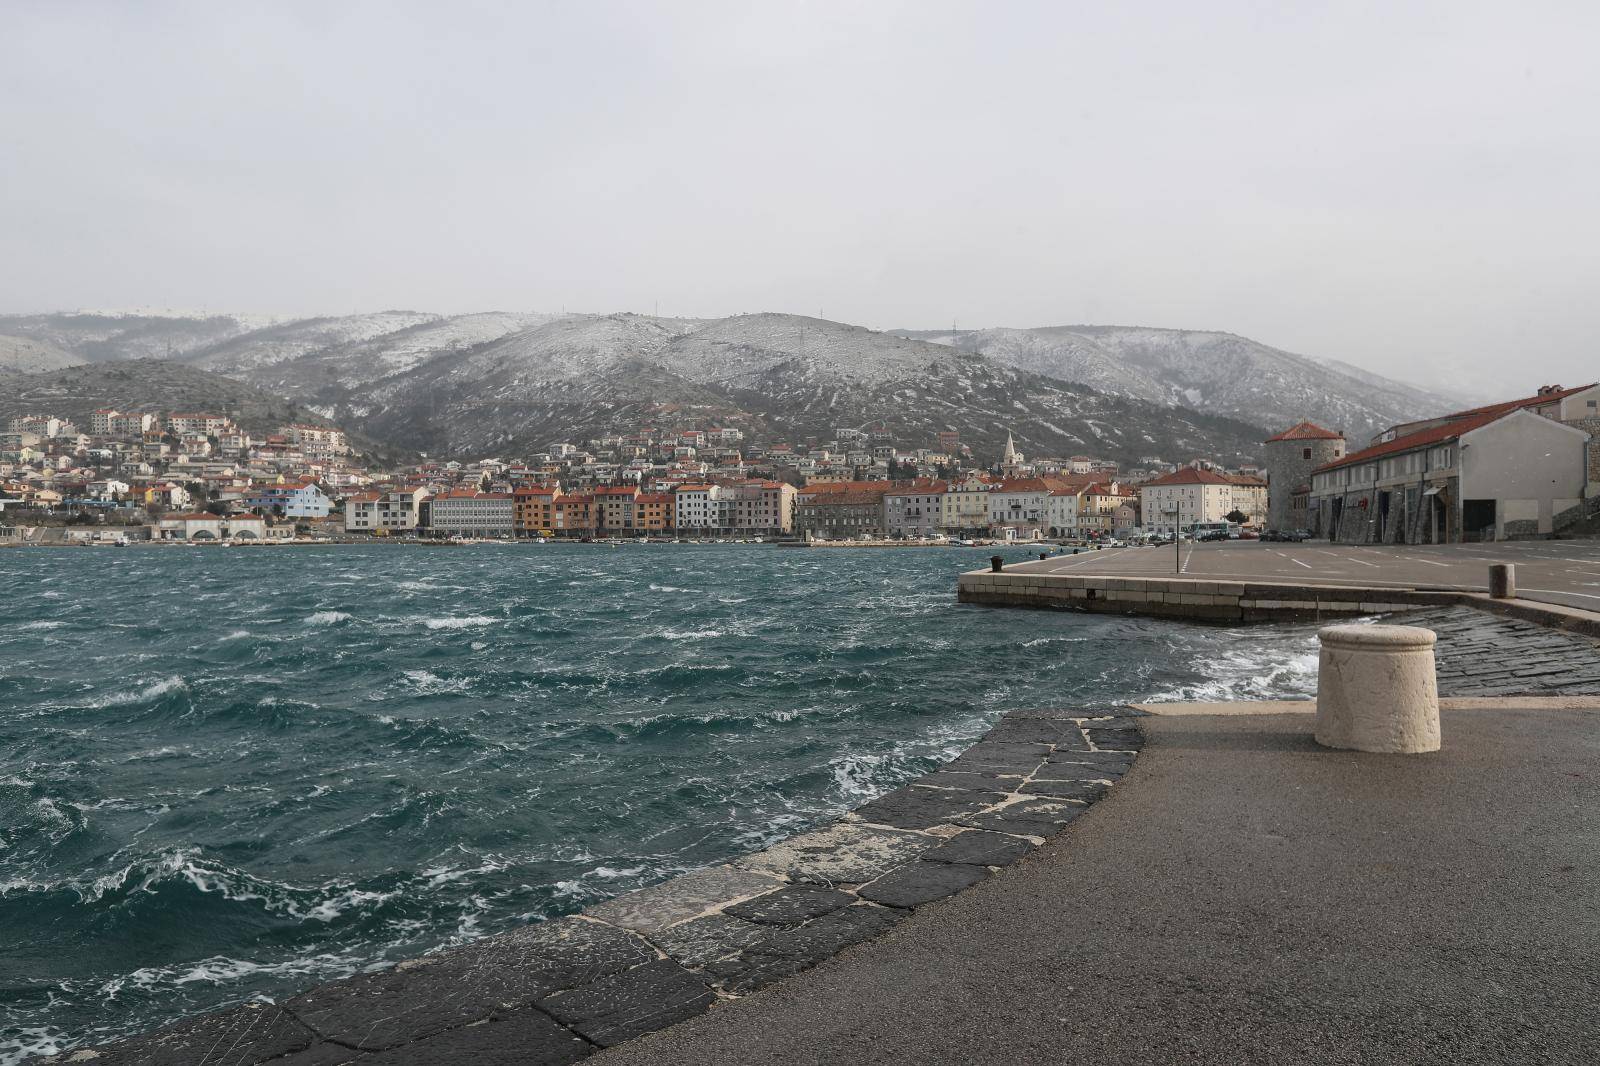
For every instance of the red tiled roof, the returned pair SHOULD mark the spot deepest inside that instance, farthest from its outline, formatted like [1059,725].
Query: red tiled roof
[1190,475]
[1306,431]
[1420,439]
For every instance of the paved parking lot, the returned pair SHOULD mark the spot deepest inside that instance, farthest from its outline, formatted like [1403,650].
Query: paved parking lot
[1565,572]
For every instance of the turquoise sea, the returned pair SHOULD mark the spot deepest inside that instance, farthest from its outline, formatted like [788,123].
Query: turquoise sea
[230,774]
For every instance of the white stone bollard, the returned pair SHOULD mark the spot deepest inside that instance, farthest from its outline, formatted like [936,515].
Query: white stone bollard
[1376,689]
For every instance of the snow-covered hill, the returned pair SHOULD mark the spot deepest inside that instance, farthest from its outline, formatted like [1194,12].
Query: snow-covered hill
[502,380]
[1211,371]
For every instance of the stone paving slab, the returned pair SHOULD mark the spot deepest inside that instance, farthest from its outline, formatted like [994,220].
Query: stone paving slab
[650,910]
[840,854]
[917,883]
[981,848]
[237,1036]
[422,997]
[624,1005]
[920,807]
[791,906]
[794,950]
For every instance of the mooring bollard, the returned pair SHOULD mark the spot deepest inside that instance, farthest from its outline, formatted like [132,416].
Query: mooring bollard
[1376,689]
[1075,551]
[995,563]
[1043,556]
[1502,581]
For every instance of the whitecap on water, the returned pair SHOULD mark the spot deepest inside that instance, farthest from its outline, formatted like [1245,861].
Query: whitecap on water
[327,618]
[463,622]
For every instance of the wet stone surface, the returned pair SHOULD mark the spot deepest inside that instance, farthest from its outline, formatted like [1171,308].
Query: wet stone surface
[840,854]
[238,1036]
[697,942]
[637,1001]
[650,910]
[429,995]
[917,883]
[1030,817]
[919,807]
[791,906]
[979,848]
[790,951]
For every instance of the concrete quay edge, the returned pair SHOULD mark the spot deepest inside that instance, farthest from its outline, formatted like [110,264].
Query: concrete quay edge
[1202,599]
[561,990]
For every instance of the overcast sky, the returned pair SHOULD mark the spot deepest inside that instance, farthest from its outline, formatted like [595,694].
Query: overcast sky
[1409,187]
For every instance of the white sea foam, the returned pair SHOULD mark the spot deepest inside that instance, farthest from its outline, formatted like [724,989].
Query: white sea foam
[1248,675]
[327,618]
[42,625]
[144,695]
[690,634]
[464,622]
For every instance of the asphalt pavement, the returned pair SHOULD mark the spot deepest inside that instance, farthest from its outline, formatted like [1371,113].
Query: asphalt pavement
[1243,896]
[1555,571]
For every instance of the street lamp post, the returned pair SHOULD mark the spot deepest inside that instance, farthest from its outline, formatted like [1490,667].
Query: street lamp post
[1177,537]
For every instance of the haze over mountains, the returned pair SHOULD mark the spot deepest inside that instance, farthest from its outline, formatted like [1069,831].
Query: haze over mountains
[515,382]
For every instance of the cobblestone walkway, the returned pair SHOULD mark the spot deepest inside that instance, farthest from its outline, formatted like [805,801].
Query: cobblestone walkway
[1482,654]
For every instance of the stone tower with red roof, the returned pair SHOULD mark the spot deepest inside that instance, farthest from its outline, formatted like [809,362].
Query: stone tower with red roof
[1291,456]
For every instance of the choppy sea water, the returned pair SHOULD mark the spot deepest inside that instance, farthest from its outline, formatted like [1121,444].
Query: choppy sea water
[230,774]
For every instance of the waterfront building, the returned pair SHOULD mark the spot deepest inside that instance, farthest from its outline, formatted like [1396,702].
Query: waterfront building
[914,511]
[574,514]
[1508,470]
[1017,507]
[652,512]
[765,507]
[964,509]
[694,507]
[1061,511]
[1291,457]
[534,508]
[465,512]
[395,511]
[613,507]
[849,515]
[1176,501]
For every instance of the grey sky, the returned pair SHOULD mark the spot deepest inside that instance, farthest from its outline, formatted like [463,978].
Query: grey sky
[1409,187]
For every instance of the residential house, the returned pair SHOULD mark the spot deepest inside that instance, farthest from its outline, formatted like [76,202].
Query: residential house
[1176,501]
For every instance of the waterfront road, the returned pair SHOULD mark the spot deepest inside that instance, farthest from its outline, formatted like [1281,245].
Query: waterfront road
[1552,571]
[1242,897]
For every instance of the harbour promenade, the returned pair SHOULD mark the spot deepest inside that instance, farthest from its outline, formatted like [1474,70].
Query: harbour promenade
[1557,582]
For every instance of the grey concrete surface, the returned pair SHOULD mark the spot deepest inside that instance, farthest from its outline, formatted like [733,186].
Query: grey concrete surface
[1565,571]
[1243,897]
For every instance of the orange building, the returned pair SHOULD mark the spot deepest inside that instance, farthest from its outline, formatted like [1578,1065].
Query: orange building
[574,514]
[613,506]
[535,508]
[652,511]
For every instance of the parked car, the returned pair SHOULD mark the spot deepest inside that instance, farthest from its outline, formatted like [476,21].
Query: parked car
[1249,534]
[1213,534]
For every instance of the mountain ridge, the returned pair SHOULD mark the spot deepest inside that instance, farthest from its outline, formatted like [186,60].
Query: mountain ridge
[498,380]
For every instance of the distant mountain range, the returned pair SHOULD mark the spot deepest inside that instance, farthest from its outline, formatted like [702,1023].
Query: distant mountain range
[509,382]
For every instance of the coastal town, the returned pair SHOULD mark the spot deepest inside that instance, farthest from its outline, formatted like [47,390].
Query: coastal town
[1521,468]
